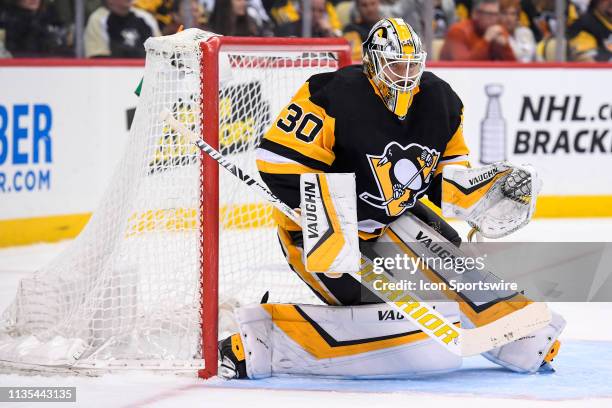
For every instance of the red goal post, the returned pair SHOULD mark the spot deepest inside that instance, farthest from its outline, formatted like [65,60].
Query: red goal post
[174,246]
[209,202]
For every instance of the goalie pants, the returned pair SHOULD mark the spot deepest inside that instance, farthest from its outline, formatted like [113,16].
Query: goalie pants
[345,290]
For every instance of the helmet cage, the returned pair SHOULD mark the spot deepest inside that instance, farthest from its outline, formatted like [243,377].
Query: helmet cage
[400,72]
[394,61]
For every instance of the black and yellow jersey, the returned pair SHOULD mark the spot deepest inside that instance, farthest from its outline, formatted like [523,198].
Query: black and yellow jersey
[591,38]
[356,34]
[287,11]
[162,10]
[338,123]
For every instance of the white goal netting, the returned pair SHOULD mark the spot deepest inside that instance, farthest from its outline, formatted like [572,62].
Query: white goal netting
[127,293]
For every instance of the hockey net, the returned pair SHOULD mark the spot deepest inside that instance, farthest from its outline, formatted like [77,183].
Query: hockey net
[175,243]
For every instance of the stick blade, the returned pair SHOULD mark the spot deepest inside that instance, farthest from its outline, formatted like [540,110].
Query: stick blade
[164,114]
[509,328]
[168,117]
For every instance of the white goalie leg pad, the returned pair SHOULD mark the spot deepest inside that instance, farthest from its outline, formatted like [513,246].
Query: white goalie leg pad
[526,354]
[371,341]
[255,325]
[329,222]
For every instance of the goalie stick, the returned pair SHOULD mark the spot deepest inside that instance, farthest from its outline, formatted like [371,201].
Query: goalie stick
[370,199]
[465,342]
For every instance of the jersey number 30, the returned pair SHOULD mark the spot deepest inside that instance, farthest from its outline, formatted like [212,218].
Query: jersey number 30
[296,117]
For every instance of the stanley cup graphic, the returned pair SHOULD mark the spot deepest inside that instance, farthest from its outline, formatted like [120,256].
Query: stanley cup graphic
[493,128]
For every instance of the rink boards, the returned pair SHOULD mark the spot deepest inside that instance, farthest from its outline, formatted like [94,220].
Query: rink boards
[63,128]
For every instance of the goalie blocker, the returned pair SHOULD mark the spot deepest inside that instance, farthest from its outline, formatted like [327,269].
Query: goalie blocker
[329,220]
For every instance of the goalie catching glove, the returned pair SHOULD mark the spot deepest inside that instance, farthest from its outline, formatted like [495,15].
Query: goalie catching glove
[495,200]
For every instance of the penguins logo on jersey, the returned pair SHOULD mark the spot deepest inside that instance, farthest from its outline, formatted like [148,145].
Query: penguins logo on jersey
[402,173]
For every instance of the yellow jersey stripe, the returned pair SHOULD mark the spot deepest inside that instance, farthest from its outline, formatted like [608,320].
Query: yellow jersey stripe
[321,148]
[442,165]
[284,168]
[456,146]
[294,257]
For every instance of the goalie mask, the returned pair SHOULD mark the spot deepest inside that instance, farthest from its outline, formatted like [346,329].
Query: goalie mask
[394,60]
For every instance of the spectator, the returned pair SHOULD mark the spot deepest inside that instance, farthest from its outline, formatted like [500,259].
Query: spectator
[258,12]
[541,17]
[411,11]
[118,30]
[479,38]
[321,25]
[531,12]
[32,29]
[268,5]
[581,6]
[444,16]
[198,17]
[462,9]
[65,10]
[179,17]
[288,11]
[572,13]
[392,8]
[256,9]
[230,17]
[3,51]
[284,11]
[591,35]
[346,12]
[164,11]
[209,5]
[368,14]
[521,39]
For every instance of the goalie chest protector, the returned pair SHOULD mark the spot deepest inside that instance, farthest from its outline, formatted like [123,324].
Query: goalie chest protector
[395,161]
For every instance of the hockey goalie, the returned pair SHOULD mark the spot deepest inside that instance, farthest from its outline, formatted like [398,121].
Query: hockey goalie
[396,130]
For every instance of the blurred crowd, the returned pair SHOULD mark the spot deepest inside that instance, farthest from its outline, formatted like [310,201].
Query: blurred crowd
[461,30]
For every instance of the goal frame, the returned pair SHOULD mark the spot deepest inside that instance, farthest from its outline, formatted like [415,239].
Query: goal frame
[209,179]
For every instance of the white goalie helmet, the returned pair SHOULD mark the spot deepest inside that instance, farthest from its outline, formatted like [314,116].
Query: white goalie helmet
[394,60]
